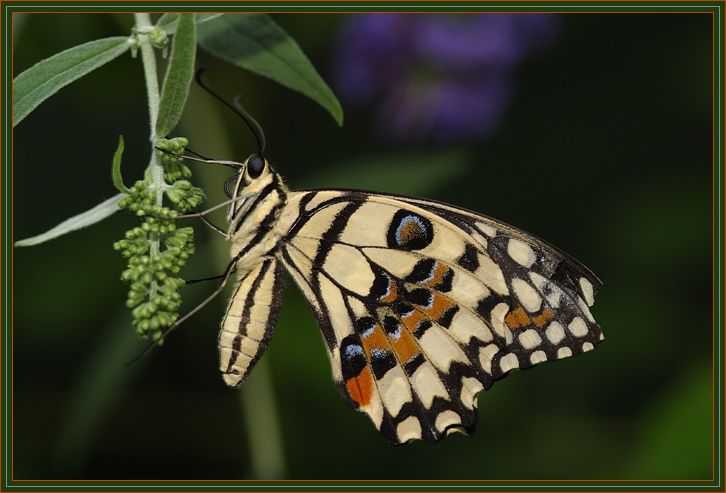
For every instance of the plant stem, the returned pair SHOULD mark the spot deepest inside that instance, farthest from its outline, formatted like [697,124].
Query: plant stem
[148,59]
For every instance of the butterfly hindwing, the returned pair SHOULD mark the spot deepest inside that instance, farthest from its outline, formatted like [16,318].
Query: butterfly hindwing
[423,305]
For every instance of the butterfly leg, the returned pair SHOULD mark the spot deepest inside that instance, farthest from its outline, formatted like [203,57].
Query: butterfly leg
[215,227]
[229,164]
[211,209]
[194,281]
[225,277]
[201,215]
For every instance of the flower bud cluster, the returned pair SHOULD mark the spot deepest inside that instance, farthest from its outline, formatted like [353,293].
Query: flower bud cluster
[156,249]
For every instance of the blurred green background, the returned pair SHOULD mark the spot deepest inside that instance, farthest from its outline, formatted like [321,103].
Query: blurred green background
[605,151]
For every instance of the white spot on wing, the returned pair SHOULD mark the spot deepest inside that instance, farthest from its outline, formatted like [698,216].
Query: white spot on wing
[555,332]
[485,356]
[447,418]
[530,339]
[587,347]
[578,327]
[426,382]
[349,267]
[527,295]
[537,357]
[498,314]
[564,352]
[587,291]
[440,349]
[465,325]
[409,429]
[508,362]
[491,275]
[469,388]
[585,309]
[486,229]
[394,390]
[521,252]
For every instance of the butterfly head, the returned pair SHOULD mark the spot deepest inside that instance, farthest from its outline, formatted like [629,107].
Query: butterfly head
[253,177]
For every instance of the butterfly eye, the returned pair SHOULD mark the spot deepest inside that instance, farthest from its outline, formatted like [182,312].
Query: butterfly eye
[255,165]
[229,184]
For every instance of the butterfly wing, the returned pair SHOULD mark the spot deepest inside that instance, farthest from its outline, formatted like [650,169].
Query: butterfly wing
[423,305]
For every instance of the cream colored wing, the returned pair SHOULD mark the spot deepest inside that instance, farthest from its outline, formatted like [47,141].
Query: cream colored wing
[250,320]
[423,305]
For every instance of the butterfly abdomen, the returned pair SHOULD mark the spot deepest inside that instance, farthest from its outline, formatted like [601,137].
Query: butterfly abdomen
[250,319]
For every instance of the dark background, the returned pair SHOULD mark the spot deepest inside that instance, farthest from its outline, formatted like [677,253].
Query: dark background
[605,151]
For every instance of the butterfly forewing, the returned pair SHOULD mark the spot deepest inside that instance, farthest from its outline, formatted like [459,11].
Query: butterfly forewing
[423,305]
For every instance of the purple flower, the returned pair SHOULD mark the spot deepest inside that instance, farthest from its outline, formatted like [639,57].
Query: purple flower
[446,77]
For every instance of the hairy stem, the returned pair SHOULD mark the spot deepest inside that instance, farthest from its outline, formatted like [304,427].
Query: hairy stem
[148,59]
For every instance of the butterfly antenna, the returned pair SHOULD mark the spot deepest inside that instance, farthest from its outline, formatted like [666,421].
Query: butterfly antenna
[251,120]
[251,123]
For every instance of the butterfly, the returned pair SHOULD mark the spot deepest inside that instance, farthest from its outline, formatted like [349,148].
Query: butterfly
[422,305]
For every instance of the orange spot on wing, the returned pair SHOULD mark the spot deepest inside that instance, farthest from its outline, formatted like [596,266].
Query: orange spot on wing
[543,318]
[376,340]
[517,318]
[438,276]
[360,388]
[405,346]
[412,320]
[439,306]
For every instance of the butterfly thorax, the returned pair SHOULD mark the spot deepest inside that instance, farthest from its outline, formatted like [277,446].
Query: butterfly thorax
[254,216]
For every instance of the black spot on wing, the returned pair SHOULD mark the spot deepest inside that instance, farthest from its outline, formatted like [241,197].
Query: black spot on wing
[446,282]
[409,231]
[421,328]
[382,360]
[392,326]
[420,297]
[448,316]
[380,285]
[352,357]
[365,325]
[413,364]
[422,271]
[469,259]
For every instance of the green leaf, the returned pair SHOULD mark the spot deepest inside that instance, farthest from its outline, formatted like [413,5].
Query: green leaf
[92,216]
[168,22]
[255,42]
[48,76]
[178,76]
[116,167]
